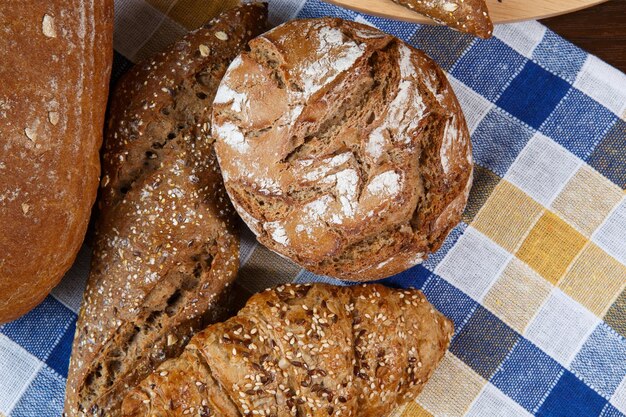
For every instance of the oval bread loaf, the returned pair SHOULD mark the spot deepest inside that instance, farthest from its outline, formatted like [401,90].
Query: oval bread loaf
[342,147]
[166,245]
[54,78]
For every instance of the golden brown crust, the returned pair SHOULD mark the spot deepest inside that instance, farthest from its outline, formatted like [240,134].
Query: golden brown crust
[166,244]
[304,350]
[180,385]
[470,16]
[54,85]
[342,147]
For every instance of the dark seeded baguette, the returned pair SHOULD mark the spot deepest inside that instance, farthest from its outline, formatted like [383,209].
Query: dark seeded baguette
[303,350]
[469,16]
[166,244]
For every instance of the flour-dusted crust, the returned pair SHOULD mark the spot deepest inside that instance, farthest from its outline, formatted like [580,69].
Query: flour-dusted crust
[303,350]
[469,16]
[54,76]
[342,148]
[166,244]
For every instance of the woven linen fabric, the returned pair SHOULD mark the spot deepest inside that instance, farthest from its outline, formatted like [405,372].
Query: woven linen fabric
[534,277]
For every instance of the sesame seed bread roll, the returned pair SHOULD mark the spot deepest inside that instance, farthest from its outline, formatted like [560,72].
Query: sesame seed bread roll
[303,350]
[469,16]
[166,246]
[342,148]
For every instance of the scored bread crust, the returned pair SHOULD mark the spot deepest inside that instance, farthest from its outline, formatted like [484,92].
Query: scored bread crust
[303,350]
[342,147]
[166,245]
[54,82]
[469,16]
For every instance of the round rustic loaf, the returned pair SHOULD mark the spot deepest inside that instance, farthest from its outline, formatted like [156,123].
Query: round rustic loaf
[342,148]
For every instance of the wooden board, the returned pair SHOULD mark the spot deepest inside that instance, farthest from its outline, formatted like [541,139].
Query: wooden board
[501,12]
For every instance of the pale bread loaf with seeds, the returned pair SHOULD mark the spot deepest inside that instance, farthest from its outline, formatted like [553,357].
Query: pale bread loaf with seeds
[343,148]
[166,244]
[469,16]
[303,350]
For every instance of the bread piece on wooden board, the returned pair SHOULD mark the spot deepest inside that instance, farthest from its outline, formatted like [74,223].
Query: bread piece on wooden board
[343,148]
[166,243]
[303,350]
[469,16]
[54,77]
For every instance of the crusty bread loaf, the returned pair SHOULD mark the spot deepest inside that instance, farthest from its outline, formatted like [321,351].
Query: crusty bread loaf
[470,16]
[342,147]
[54,77]
[303,350]
[166,243]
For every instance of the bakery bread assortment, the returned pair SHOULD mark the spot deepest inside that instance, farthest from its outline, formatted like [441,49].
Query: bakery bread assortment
[303,350]
[53,91]
[166,245]
[342,148]
[469,16]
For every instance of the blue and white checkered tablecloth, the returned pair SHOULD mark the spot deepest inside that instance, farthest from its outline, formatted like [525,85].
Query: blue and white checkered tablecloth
[534,277]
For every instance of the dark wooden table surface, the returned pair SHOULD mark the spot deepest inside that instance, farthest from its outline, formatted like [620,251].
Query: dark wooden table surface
[600,30]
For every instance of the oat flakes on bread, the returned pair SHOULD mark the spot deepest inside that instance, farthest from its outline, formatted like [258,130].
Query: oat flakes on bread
[342,147]
[469,16]
[303,350]
[54,82]
[166,244]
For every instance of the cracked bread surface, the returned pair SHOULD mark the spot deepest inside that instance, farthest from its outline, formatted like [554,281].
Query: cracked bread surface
[342,148]
[303,350]
[166,246]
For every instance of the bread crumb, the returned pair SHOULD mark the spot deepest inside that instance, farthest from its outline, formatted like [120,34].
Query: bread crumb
[31,133]
[221,36]
[283,363]
[47,26]
[204,50]
[53,117]
[171,339]
[450,7]
[25,208]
